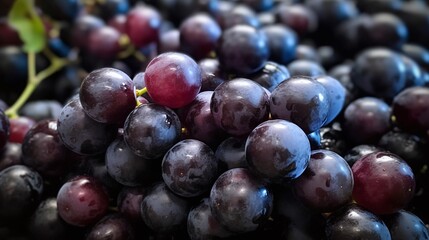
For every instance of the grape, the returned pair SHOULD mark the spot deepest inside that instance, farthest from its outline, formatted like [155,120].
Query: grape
[19,128]
[108,9]
[358,152]
[10,155]
[162,210]
[150,130]
[80,133]
[231,153]
[127,168]
[384,183]
[299,17]
[238,106]
[113,226]
[301,100]
[336,94]
[406,225]
[332,138]
[282,42]
[202,224]
[173,79]
[169,41]
[4,129]
[278,149]
[242,50]
[198,35]
[20,192]
[107,95]
[104,42]
[366,119]
[239,14]
[417,53]
[118,22]
[306,68]
[82,201]
[410,111]
[9,35]
[199,121]
[43,150]
[240,201]
[211,75]
[129,202]
[189,168]
[327,182]
[82,27]
[45,223]
[387,30]
[62,10]
[271,75]
[353,222]
[143,24]
[379,72]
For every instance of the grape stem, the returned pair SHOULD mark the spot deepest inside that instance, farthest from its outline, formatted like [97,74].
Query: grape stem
[34,80]
[141,92]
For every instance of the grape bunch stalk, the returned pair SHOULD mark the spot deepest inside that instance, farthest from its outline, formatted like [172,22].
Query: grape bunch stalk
[214,119]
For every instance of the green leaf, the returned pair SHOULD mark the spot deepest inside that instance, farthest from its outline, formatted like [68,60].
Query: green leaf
[25,20]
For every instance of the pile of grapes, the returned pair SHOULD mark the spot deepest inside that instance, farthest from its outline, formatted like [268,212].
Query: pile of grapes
[214,119]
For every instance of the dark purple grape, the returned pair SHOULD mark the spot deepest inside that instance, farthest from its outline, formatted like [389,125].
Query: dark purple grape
[199,121]
[240,201]
[19,127]
[108,9]
[415,17]
[81,29]
[329,56]
[202,224]
[163,211]
[387,30]
[107,95]
[239,14]
[282,42]
[104,42]
[384,183]
[307,52]
[305,68]
[259,5]
[43,150]
[410,111]
[336,94]
[406,225]
[299,17]
[327,183]
[358,152]
[412,148]
[198,35]
[169,41]
[45,223]
[20,192]
[301,100]
[10,155]
[366,120]
[211,74]
[4,129]
[143,24]
[82,134]
[127,168]
[278,149]
[353,222]
[231,153]
[151,129]
[242,50]
[271,75]
[379,72]
[119,22]
[239,105]
[173,79]
[61,10]
[332,138]
[190,168]
[129,202]
[418,53]
[414,74]
[13,69]
[112,227]
[10,36]
[82,201]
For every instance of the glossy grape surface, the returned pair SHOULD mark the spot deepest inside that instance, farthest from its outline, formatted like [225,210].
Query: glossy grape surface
[190,168]
[4,129]
[278,149]
[239,105]
[107,95]
[240,201]
[142,25]
[113,226]
[150,130]
[384,183]
[82,201]
[173,79]
[82,134]
[327,182]
[301,100]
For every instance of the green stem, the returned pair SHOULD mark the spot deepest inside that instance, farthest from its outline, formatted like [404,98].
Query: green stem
[140,92]
[33,81]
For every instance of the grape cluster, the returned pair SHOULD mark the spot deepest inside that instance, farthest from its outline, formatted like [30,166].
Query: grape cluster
[214,119]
